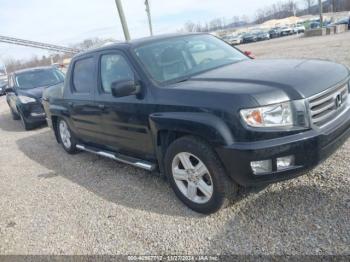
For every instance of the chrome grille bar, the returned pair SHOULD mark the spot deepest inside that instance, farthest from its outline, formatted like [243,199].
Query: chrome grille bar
[325,106]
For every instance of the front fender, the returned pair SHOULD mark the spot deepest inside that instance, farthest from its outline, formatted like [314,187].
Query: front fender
[58,110]
[53,111]
[207,126]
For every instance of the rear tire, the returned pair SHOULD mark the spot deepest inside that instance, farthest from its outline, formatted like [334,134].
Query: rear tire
[66,137]
[197,175]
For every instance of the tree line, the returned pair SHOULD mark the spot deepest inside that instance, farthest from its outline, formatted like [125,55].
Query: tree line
[283,9]
[278,10]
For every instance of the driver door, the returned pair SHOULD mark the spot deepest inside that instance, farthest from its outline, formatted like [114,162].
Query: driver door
[124,120]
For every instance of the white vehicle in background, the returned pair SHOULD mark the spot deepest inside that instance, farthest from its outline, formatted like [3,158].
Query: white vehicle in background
[286,30]
[3,73]
[233,39]
[298,29]
[236,40]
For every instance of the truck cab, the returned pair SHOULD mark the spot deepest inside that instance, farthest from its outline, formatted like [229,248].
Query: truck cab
[202,113]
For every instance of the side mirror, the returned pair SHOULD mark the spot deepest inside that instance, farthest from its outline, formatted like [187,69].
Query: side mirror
[249,54]
[125,88]
[9,89]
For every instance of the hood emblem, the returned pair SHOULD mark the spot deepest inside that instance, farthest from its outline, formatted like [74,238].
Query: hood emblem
[338,100]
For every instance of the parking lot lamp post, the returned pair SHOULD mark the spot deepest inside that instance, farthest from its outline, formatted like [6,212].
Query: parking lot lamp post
[123,20]
[149,17]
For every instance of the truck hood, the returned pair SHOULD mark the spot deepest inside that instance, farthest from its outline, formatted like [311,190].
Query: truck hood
[271,80]
[36,92]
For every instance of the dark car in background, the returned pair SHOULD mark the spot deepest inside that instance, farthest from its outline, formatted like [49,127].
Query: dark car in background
[274,33]
[260,36]
[202,113]
[343,21]
[249,38]
[24,93]
[314,25]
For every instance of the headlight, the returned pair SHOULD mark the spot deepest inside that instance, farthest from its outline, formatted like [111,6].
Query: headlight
[277,115]
[26,99]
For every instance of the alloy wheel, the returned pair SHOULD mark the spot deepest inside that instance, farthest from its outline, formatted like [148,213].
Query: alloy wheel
[65,134]
[192,177]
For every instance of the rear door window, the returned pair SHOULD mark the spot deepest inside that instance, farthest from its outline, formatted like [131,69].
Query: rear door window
[84,76]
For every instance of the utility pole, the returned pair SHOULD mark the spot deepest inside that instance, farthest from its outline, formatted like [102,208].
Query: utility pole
[122,20]
[321,13]
[149,17]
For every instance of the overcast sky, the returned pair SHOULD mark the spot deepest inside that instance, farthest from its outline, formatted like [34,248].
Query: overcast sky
[64,22]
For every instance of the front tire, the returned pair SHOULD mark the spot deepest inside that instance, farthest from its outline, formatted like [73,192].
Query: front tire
[14,115]
[197,175]
[66,137]
[27,126]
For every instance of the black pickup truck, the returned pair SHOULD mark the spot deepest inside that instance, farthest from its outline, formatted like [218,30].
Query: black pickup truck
[202,113]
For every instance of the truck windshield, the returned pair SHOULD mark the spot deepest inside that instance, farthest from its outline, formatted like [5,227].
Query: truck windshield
[179,58]
[38,78]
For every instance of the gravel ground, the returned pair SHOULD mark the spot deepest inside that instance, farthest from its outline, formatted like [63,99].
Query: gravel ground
[54,203]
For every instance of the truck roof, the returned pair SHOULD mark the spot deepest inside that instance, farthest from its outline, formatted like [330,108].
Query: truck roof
[137,42]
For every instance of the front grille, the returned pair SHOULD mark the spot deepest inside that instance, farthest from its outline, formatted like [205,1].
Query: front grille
[327,105]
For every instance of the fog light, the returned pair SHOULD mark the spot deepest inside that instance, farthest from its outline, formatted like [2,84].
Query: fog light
[260,167]
[285,162]
[37,114]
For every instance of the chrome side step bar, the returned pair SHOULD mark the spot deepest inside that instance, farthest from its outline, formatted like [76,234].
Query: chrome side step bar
[119,157]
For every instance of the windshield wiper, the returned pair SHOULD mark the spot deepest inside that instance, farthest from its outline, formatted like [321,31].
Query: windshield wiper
[183,80]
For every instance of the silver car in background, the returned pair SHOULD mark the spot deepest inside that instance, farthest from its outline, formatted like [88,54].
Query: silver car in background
[233,39]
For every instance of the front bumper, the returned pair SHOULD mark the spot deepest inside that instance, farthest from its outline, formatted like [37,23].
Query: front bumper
[309,149]
[33,112]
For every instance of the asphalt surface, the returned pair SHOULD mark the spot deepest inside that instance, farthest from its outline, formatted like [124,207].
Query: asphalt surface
[55,203]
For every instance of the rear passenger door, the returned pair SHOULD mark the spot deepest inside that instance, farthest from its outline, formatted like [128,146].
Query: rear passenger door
[84,116]
[124,119]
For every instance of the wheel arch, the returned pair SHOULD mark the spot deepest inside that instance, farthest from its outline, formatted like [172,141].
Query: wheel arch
[57,112]
[167,127]
[54,120]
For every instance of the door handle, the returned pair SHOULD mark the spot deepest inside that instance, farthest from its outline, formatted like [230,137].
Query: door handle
[101,106]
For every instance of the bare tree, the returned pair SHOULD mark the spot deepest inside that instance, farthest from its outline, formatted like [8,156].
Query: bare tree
[198,27]
[292,6]
[277,11]
[341,5]
[235,19]
[189,26]
[309,3]
[333,8]
[245,18]
[215,24]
